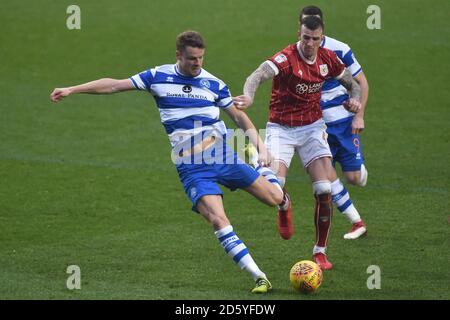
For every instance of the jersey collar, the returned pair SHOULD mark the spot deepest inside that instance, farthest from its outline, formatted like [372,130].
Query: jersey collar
[178,72]
[303,57]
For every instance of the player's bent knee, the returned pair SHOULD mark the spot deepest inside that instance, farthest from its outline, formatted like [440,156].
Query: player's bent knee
[353,179]
[364,176]
[273,197]
[321,187]
[267,192]
[357,179]
[277,197]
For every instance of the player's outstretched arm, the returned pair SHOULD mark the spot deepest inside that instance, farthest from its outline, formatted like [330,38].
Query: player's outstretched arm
[263,73]
[101,86]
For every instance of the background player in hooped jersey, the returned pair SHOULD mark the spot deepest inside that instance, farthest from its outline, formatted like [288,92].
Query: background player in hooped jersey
[343,129]
[189,101]
[295,119]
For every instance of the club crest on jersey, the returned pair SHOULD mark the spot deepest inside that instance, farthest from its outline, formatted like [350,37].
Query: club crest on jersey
[280,58]
[205,83]
[323,70]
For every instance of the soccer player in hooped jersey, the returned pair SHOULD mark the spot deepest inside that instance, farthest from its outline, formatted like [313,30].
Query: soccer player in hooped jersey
[187,96]
[295,120]
[343,129]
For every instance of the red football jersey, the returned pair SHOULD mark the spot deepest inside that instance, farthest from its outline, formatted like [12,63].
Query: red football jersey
[296,90]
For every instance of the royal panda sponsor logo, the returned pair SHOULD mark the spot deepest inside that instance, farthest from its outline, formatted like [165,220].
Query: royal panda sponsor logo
[187,89]
[186,96]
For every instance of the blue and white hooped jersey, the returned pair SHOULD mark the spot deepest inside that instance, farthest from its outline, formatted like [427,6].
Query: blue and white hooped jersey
[188,106]
[333,93]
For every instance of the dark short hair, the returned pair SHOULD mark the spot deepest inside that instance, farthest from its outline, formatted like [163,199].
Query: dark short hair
[190,39]
[312,23]
[310,11]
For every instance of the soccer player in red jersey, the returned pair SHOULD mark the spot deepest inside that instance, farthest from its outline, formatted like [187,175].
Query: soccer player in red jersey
[295,120]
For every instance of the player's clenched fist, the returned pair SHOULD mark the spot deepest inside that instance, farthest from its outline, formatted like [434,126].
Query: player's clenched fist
[352,105]
[59,93]
[242,102]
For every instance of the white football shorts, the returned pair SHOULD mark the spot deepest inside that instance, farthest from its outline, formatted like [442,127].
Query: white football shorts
[309,142]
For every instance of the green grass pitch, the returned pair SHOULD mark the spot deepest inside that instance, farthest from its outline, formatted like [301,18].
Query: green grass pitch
[89,181]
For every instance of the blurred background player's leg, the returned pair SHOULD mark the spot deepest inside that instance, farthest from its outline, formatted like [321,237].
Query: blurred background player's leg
[346,150]
[285,224]
[341,198]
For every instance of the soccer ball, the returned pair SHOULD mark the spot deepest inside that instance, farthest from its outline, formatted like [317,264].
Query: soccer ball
[306,276]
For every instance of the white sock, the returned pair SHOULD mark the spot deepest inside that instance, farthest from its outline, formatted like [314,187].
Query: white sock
[363,176]
[267,173]
[285,204]
[237,250]
[282,181]
[341,198]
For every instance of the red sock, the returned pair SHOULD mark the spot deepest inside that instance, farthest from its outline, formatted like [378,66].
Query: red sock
[322,218]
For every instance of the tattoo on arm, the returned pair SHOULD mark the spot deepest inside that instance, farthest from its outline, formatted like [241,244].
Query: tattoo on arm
[263,73]
[351,85]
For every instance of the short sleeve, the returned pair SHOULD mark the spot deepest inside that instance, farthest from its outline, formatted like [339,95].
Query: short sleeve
[281,61]
[224,99]
[143,80]
[351,63]
[336,66]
